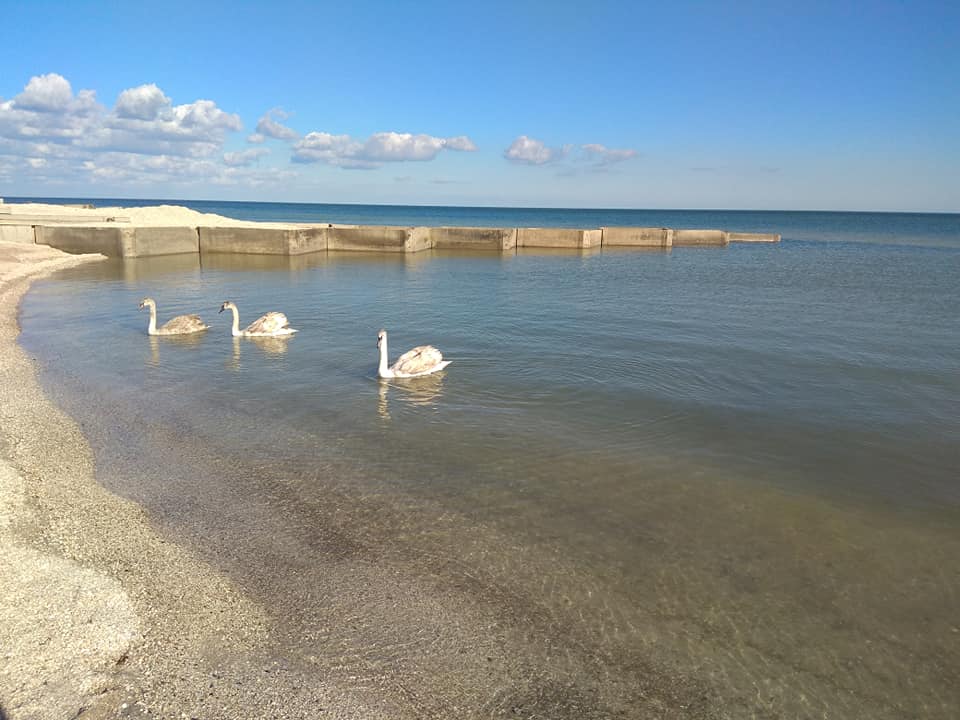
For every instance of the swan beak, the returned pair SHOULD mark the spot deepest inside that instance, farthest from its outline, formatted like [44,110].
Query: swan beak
[140,306]
[220,310]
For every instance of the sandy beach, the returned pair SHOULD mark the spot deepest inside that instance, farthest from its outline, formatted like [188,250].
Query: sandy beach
[99,614]
[89,591]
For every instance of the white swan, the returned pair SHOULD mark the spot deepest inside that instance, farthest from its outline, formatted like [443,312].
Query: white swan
[422,360]
[180,325]
[273,324]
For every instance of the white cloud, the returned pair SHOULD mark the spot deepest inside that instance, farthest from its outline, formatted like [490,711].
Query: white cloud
[52,135]
[49,133]
[130,169]
[346,152]
[602,155]
[393,147]
[45,93]
[143,120]
[462,143]
[244,158]
[204,116]
[145,102]
[324,147]
[528,151]
[268,127]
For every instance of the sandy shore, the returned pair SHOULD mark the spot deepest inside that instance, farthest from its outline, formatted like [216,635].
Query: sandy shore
[151,216]
[99,615]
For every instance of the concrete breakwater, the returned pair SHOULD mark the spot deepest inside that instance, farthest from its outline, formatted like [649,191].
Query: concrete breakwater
[115,238]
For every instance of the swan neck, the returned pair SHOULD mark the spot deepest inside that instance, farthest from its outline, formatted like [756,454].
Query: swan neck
[152,327]
[236,321]
[383,371]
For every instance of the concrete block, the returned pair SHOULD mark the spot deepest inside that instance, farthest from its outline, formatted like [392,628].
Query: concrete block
[244,240]
[149,241]
[308,240]
[119,241]
[753,237]
[263,241]
[474,238]
[379,238]
[699,237]
[17,233]
[558,238]
[75,239]
[637,237]
[418,239]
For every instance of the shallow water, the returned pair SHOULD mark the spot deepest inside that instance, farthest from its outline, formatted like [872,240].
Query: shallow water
[716,479]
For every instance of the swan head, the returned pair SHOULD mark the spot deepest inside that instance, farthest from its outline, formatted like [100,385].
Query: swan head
[228,305]
[381,338]
[146,302]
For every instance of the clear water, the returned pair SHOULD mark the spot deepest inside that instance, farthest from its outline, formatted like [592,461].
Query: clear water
[718,479]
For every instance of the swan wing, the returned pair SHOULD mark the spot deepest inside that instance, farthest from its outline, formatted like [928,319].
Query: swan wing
[419,360]
[268,324]
[183,324]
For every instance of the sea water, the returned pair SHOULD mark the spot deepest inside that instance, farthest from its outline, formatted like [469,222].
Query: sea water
[718,478]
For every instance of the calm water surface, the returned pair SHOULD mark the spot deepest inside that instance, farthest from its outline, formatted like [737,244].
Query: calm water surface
[722,479]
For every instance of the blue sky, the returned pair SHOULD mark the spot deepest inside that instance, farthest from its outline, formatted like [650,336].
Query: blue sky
[557,104]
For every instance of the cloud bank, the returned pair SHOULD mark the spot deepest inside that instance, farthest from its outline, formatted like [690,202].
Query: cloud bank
[383,147]
[268,127]
[50,134]
[143,120]
[527,151]
[530,151]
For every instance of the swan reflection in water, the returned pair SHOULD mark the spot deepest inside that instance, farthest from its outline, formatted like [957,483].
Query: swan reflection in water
[270,346]
[182,341]
[423,391]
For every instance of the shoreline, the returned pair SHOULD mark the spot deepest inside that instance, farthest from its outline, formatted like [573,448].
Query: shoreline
[102,615]
[99,613]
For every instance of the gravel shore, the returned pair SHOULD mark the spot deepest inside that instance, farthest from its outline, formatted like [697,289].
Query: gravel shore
[99,615]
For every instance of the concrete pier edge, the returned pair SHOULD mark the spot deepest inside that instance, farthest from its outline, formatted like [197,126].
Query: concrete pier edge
[121,240]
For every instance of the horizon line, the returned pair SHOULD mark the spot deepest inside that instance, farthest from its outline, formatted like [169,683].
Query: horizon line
[479,207]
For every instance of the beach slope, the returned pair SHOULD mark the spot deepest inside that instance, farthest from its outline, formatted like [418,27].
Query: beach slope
[98,613]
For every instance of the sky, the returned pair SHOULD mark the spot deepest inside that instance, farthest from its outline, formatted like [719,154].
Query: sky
[738,105]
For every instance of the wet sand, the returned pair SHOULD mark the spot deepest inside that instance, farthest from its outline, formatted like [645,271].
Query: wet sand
[99,614]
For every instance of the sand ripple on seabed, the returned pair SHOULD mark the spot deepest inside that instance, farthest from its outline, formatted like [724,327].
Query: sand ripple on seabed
[741,602]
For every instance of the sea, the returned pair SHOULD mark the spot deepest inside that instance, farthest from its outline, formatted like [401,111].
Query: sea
[697,482]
